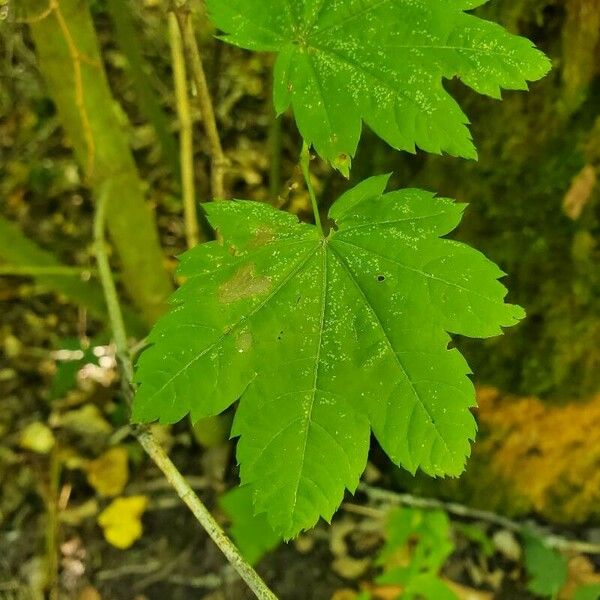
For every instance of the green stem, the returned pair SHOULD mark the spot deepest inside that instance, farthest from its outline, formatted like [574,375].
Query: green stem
[115,315]
[186,139]
[305,166]
[145,436]
[219,162]
[275,140]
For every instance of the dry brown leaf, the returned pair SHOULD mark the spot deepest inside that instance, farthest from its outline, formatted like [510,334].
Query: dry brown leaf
[467,593]
[581,572]
[344,594]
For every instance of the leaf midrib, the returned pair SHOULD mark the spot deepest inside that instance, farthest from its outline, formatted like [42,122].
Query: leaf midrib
[323,247]
[374,312]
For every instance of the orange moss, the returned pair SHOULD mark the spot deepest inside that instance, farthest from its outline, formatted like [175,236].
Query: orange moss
[550,455]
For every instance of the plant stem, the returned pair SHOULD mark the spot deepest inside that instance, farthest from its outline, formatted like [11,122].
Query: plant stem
[192,52]
[145,437]
[127,37]
[52,525]
[275,140]
[305,166]
[186,147]
[115,316]
[199,510]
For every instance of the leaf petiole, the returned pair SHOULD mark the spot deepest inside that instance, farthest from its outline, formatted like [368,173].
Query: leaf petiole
[305,166]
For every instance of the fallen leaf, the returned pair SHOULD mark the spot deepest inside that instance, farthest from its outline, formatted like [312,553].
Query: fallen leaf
[37,437]
[468,593]
[108,474]
[89,593]
[581,572]
[344,594]
[579,193]
[349,567]
[506,543]
[85,421]
[121,521]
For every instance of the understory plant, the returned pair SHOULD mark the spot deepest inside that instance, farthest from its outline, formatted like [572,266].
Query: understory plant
[329,331]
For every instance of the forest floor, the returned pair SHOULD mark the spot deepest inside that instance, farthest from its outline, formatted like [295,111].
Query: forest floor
[57,479]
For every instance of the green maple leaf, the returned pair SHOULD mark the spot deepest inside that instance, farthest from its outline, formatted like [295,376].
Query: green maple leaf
[382,61]
[324,338]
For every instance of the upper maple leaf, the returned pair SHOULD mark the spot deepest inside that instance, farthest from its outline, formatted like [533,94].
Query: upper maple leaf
[381,61]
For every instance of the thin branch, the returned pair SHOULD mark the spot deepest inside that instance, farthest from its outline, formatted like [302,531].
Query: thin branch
[218,160]
[305,166]
[186,146]
[111,297]
[466,512]
[199,510]
[144,435]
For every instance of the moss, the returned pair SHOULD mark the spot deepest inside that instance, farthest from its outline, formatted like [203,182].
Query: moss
[531,457]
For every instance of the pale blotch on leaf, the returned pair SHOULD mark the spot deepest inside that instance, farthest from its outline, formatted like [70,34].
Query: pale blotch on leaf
[244,284]
[243,342]
[262,237]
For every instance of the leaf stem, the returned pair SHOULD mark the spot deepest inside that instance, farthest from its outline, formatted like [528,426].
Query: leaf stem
[305,166]
[145,436]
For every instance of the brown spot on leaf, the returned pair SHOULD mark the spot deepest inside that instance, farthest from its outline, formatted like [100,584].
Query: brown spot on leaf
[244,284]
[262,237]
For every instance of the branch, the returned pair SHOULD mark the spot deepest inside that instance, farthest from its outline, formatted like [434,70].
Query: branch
[460,510]
[145,436]
[218,161]
[186,146]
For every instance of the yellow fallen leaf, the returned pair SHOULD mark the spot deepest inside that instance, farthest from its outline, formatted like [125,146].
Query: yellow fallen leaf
[37,437]
[121,520]
[108,474]
[89,593]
